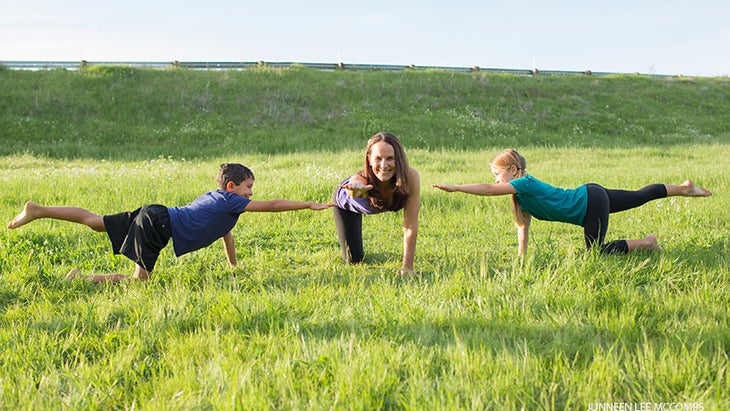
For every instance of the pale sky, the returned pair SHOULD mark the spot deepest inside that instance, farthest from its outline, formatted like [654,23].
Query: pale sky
[651,37]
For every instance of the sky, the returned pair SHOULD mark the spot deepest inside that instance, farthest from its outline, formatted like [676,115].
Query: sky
[668,37]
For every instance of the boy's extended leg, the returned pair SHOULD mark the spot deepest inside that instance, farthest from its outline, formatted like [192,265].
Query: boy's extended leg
[139,274]
[33,211]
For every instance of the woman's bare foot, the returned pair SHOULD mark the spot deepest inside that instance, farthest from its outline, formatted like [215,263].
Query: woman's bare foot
[26,216]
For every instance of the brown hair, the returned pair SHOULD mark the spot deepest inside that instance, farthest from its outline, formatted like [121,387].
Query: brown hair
[400,189]
[505,160]
[232,172]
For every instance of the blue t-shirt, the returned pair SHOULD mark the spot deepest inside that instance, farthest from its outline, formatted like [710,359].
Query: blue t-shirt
[208,218]
[546,202]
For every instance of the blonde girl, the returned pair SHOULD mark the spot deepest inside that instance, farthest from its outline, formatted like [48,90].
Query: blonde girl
[588,205]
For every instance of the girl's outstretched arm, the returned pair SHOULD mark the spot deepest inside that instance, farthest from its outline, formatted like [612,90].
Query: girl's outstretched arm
[480,189]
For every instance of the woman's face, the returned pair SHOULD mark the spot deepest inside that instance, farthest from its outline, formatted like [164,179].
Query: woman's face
[382,160]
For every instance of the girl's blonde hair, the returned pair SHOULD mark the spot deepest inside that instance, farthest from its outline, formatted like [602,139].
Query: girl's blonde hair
[505,160]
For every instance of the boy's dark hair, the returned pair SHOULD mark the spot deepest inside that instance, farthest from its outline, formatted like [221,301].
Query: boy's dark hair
[233,172]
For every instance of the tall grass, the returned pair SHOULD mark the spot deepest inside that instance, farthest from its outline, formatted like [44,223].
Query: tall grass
[294,328]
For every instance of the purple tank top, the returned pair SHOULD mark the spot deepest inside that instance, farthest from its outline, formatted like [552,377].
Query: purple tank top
[356,205]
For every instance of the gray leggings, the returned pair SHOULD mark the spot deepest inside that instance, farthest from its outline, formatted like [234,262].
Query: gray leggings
[602,202]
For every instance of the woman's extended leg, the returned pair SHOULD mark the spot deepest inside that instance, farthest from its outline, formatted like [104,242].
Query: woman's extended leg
[33,211]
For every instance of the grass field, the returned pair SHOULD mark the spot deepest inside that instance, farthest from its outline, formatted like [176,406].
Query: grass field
[294,328]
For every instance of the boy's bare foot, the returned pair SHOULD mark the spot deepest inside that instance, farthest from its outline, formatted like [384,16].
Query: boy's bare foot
[25,216]
[73,274]
[694,191]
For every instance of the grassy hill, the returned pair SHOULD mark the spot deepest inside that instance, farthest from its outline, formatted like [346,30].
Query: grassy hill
[128,113]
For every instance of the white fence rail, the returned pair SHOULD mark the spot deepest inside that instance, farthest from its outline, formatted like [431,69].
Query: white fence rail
[232,65]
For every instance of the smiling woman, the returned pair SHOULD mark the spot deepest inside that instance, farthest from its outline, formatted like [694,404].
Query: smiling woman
[386,183]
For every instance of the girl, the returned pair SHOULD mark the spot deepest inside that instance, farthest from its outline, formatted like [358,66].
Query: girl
[588,205]
[386,183]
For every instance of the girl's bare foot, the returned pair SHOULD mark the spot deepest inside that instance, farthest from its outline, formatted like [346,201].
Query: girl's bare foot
[648,243]
[25,216]
[693,191]
[651,243]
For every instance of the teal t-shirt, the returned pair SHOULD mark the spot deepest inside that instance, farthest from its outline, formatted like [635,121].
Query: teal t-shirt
[546,202]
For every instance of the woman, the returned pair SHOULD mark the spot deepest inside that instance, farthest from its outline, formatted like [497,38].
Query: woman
[588,205]
[386,183]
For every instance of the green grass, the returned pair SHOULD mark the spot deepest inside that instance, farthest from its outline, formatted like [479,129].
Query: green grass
[137,114]
[294,328]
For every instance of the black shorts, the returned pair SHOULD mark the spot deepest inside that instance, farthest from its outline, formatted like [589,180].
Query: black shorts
[139,235]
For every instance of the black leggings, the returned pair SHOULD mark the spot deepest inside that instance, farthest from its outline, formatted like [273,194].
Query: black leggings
[602,202]
[349,233]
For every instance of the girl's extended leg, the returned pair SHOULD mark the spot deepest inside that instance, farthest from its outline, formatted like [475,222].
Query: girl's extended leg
[33,211]
[626,199]
[349,233]
[621,200]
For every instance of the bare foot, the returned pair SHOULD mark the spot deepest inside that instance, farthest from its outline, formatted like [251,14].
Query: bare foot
[651,243]
[73,274]
[648,243]
[693,191]
[25,216]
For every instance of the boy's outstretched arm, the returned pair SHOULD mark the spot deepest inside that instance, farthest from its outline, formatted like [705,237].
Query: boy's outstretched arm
[480,189]
[285,205]
[230,247]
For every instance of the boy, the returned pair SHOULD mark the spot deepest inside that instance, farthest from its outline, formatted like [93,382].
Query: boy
[142,234]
